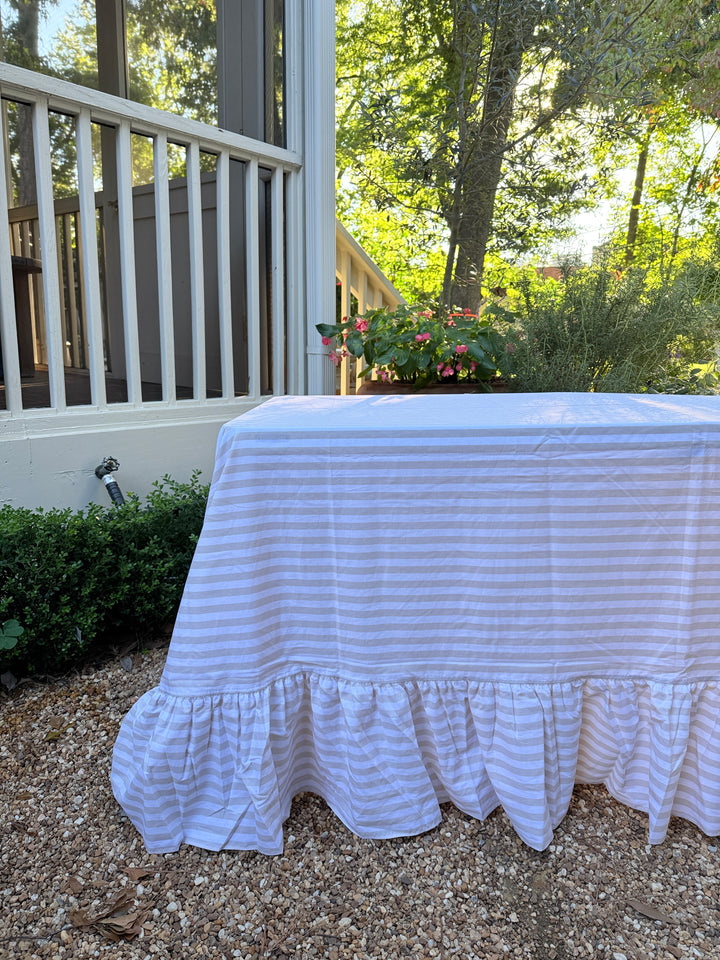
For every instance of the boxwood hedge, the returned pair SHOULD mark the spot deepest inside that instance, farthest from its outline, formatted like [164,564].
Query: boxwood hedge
[76,581]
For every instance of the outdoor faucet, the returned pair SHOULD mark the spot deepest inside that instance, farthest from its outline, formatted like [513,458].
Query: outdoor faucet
[103,472]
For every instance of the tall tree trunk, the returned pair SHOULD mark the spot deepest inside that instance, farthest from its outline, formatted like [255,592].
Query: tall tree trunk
[634,218]
[481,159]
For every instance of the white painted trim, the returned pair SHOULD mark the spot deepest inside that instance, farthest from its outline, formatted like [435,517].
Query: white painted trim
[296,285]
[49,254]
[197,271]
[89,265]
[164,268]
[252,276]
[319,180]
[24,85]
[345,273]
[222,207]
[277,200]
[127,263]
[8,329]
[346,242]
[43,422]
[294,200]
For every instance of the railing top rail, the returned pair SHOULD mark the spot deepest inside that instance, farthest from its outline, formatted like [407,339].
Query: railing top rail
[345,240]
[26,86]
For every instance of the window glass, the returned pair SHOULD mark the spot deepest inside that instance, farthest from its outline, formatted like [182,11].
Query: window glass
[171,47]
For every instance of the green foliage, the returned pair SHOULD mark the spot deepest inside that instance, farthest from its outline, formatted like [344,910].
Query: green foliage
[597,330]
[459,124]
[76,580]
[420,346]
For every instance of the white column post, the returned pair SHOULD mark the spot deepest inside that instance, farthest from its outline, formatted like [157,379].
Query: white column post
[319,182]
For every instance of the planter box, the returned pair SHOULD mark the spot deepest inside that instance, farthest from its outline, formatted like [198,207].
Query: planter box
[496,385]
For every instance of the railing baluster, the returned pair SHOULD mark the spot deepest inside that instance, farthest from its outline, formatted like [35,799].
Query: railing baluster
[197,278]
[70,269]
[60,228]
[49,255]
[89,272]
[222,204]
[127,263]
[8,329]
[295,283]
[345,308]
[252,254]
[164,268]
[278,281]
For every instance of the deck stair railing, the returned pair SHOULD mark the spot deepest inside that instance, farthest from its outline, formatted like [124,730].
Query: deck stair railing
[362,286]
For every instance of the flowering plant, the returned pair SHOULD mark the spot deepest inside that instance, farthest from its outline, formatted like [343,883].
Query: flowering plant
[416,345]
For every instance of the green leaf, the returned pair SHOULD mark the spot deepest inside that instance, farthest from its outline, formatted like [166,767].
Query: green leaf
[354,343]
[476,352]
[402,355]
[327,329]
[383,359]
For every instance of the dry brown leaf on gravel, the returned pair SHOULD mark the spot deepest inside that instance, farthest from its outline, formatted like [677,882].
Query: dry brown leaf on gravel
[139,873]
[118,919]
[74,885]
[126,926]
[648,910]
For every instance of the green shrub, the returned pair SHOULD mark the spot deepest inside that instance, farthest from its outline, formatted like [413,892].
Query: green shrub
[78,580]
[599,331]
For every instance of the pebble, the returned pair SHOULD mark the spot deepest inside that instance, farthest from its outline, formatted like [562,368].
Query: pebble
[469,887]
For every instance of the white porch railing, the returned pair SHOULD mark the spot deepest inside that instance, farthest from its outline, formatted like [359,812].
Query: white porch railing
[70,327]
[269,172]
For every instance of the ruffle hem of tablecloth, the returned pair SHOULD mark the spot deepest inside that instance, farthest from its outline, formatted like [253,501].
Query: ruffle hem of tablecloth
[220,771]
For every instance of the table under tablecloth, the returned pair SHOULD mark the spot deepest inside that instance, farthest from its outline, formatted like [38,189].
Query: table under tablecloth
[400,601]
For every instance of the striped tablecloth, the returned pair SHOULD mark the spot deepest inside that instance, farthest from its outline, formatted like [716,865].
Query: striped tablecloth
[399,601]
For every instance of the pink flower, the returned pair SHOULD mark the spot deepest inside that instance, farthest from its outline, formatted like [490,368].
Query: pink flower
[361,325]
[448,372]
[326,341]
[473,367]
[425,313]
[451,323]
[461,348]
[334,357]
[440,366]
[422,336]
[458,367]
[468,312]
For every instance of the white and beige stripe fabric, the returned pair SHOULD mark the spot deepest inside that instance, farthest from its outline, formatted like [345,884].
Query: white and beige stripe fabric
[399,601]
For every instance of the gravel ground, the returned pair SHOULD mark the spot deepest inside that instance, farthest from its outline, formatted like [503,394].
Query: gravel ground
[75,877]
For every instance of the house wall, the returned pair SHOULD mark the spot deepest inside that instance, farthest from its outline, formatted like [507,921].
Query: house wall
[55,466]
